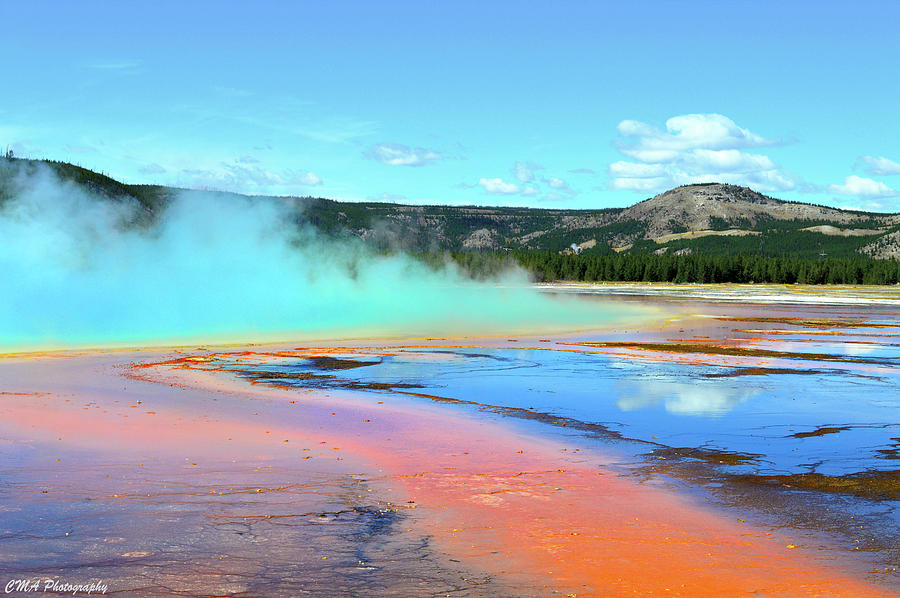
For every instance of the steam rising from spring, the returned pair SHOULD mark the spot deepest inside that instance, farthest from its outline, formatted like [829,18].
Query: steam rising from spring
[220,268]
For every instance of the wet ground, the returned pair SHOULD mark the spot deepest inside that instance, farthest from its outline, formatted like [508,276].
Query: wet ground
[167,528]
[790,410]
[158,490]
[734,447]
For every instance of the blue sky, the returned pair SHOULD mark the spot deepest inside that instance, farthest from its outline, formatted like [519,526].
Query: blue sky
[563,104]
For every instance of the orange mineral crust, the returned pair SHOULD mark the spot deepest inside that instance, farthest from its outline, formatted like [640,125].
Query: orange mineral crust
[545,516]
[519,511]
[586,532]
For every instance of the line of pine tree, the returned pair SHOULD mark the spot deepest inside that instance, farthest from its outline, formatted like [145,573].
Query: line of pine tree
[699,268]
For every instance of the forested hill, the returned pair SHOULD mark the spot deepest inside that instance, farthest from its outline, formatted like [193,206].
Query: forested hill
[708,219]
[713,219]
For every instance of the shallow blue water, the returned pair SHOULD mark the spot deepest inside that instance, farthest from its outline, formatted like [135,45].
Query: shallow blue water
[675,405]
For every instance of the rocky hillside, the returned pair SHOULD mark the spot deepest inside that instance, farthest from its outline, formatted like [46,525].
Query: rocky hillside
[707,218]
[676,217]
[699,207]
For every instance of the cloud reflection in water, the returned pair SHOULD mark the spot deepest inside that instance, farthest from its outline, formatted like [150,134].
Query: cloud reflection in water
[680,398]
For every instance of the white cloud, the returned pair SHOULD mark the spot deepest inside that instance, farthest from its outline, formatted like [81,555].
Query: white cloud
[862,187]
[693,148]
[310,179]
[527,184]
[731,161]
[395,154]
[498,186]
[256,179]
[555,183]
[642,183]
[524,171]
[880,165]
[654,156]
[558,186]
[692,131]
[871,205]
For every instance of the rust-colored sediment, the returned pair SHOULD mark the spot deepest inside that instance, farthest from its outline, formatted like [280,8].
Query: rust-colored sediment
[530,512]
[549,516]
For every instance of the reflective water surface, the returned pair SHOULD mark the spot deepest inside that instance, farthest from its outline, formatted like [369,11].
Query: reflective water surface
[809,404]
[472,467]
[792,410]
[827,420]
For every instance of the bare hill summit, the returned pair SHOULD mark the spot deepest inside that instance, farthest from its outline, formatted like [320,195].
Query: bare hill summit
[698,207]
[706,218]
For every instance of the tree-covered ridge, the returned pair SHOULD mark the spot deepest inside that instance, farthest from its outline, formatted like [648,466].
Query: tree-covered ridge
[675,235]
[431,227]
[549,266]
[771,243]
[151,197]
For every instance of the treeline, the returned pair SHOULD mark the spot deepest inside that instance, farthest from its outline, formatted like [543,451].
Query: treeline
[151,197]
[700,268]
[777,241]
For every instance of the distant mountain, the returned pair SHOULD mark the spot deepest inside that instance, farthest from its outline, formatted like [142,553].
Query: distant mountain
[708,218]
[703,207]
[676,218]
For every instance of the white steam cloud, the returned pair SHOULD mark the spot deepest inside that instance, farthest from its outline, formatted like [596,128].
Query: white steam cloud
[223,268]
